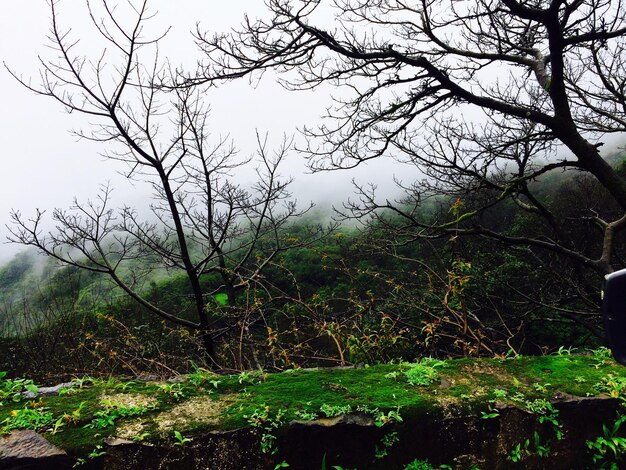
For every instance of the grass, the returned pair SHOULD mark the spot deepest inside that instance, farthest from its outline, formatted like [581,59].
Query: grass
[459,387]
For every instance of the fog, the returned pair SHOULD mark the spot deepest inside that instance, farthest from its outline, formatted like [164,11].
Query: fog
[44,165]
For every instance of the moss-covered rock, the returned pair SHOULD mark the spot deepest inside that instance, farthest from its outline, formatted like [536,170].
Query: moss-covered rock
[495,413]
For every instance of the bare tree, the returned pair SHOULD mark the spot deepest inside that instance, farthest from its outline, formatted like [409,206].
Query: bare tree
[484,96]
[202,222]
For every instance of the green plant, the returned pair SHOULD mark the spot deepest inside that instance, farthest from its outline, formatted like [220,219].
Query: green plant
[548,415]
[382,418]
[141,437]
[174,390]
[334,467]
[423,372]
[602,353]
[541,448]
[330,411]
[75,415]
[13,388]
[609,448]
[425,465]
[551,417]
[111,413]
[262,419]
[520,451]
[180,440]
[541,388]
[96,452]
[491,413]
[563,351]
[538,406]
[28,418]
[386,442]
[200,376]
[57,426]
[499,394]
[82,382]
[250,377]
[614,386]
[306,415]
[282,464]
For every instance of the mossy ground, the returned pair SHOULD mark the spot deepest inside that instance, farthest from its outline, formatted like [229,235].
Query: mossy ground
[458,387]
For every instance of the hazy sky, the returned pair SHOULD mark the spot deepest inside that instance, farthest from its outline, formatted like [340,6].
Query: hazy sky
[44,165]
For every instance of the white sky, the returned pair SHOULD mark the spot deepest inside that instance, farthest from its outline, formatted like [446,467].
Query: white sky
[45,166]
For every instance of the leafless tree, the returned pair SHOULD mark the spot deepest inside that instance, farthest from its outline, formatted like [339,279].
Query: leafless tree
[484,96]
[201,221]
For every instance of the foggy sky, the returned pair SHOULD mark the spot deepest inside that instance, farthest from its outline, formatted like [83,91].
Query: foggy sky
[45,166]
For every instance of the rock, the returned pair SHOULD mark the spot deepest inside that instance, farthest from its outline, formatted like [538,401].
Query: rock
[116,441]
[48,391]
[28,450]
[445,383]
[148,378]
[358,419]
[177,379]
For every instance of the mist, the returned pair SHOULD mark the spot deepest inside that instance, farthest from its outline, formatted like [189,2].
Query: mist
[45,165]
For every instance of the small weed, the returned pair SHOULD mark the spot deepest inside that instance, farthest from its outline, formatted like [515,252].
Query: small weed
[614,386]
[13,388]
[425,465]
[539,406]
[82,382]
[251,377]
[180,440]
[75,415]
[96,452]
[262,419]
[541,388]
[174,390]
[331,411]
[201,376]
[491,413]
[423,372]
[563,351]
[141,437]
[609,448]
[28,418]
[57,426]
[111,413]
[392,416]
[499,394]
[386,443]
[306,415]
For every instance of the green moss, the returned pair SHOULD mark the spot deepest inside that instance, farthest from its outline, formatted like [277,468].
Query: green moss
[463,386]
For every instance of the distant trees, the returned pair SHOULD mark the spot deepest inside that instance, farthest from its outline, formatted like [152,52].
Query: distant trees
[482,96]
[201,222]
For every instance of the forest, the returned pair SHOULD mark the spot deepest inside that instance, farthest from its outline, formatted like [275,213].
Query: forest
[223,311]
[346,295]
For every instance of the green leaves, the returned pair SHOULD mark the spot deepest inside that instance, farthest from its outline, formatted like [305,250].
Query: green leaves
[609,441]
[28,418]
[221,299]
[423,372]
[180,440]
